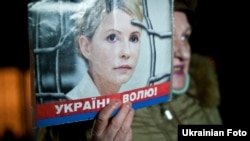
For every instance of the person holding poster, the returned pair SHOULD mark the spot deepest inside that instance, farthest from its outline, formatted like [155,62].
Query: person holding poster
[110,45]
[195,91]
[88,53]
[195,99]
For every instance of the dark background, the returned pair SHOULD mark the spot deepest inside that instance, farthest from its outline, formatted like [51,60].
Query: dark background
[221,32]
[14,34]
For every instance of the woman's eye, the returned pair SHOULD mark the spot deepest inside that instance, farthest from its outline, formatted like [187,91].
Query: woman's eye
[185,37]
[134,39]
[112,38]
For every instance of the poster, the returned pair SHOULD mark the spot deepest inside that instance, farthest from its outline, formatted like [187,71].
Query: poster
[88,53]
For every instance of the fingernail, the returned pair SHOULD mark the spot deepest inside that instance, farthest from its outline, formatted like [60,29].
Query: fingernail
[128,104]
[117,103]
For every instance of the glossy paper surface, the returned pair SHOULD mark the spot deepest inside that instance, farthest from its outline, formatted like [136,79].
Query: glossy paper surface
[138,58]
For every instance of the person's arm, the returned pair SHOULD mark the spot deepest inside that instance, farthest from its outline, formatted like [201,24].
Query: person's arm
[117,128]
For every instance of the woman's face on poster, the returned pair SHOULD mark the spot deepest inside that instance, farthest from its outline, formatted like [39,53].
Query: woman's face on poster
[114,49]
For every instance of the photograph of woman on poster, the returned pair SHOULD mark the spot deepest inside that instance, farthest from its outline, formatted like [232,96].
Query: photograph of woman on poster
[109,44]
[88,53]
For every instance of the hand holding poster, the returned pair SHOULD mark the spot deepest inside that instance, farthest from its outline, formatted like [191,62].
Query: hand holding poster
[91,52]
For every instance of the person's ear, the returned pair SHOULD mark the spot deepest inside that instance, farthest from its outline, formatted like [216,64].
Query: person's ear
[84,45]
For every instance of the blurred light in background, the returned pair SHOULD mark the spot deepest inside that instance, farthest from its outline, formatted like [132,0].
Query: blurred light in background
[15,104]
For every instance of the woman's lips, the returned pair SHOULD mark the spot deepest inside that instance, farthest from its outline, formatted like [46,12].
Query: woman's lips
[178,69]
[123,67]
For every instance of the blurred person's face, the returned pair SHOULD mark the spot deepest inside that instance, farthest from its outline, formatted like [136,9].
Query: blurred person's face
[182,53]
[114,50]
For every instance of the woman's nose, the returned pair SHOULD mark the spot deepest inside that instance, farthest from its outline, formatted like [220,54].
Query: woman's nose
[177,47]
[180,49]
[125,50]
